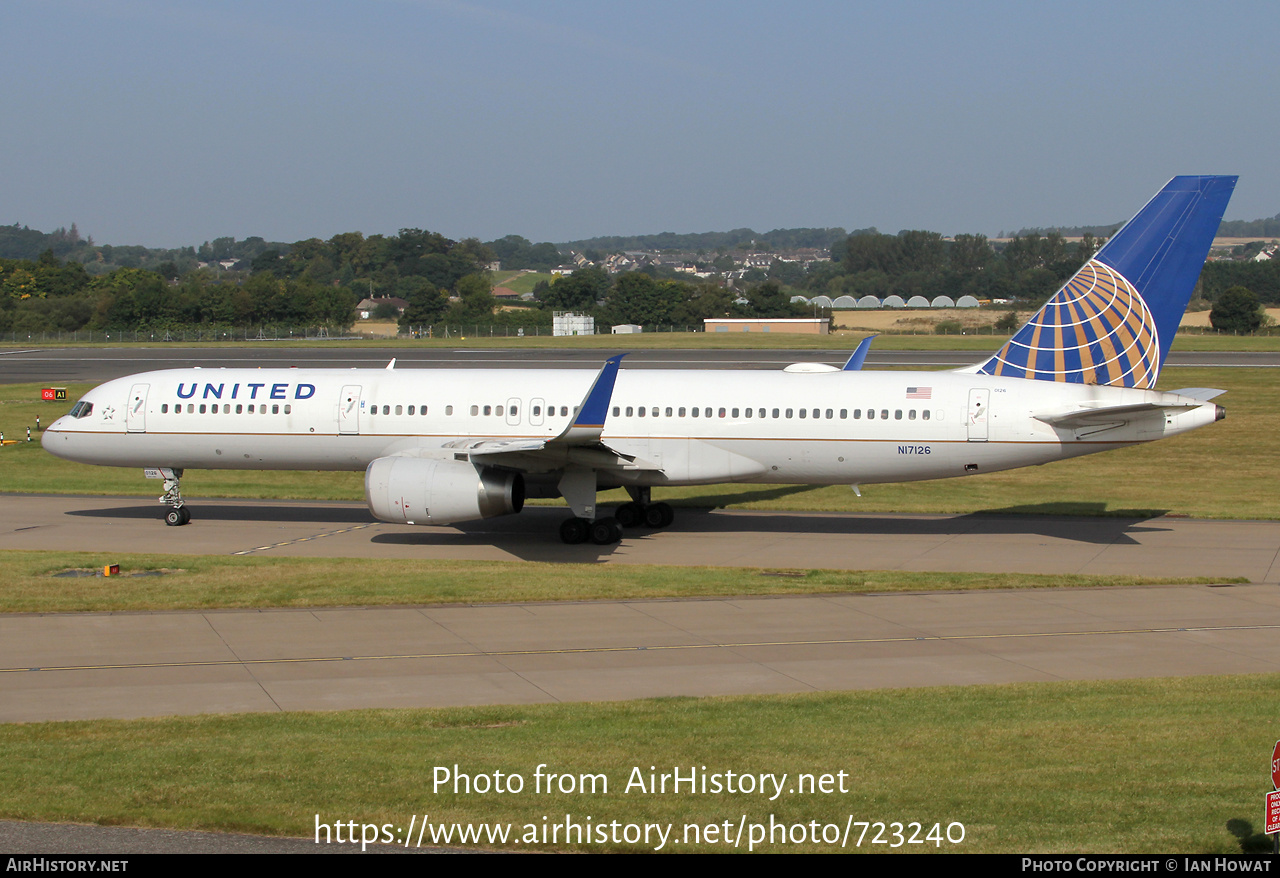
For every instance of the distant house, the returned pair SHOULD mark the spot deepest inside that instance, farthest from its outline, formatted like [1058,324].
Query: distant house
[367,306]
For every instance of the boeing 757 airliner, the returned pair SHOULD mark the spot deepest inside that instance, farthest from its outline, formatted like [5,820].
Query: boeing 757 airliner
[445,446]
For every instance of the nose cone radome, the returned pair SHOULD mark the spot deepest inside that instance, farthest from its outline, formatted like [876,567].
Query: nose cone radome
[55,438]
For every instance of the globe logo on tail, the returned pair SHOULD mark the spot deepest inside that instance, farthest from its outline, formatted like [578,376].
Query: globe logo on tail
[1096,330]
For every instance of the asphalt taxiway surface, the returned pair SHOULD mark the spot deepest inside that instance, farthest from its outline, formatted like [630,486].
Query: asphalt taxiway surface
[91,665]
[985,542]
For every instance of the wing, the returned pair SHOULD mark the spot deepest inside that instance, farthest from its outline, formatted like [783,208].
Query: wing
[578,445]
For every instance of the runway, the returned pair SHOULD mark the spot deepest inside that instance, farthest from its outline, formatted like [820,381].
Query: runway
[72,666]
[95,365]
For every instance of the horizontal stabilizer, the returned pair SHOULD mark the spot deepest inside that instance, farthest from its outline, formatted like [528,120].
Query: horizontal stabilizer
[1077,417]
[1204,394]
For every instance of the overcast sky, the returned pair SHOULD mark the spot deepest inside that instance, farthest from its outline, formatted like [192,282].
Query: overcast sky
[168,123]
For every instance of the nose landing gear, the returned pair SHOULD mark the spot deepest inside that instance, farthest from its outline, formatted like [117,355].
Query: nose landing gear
[178,514]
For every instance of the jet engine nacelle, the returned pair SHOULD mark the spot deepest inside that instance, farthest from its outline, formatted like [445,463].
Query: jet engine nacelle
[408,490]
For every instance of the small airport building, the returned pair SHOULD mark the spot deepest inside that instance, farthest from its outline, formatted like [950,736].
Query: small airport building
[803,325]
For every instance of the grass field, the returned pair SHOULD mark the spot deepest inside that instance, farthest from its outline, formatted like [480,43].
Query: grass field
[1158,766]
[1224,470]
[520,281]
[220,582]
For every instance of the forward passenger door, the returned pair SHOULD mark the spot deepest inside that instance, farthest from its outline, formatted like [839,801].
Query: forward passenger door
[349,409]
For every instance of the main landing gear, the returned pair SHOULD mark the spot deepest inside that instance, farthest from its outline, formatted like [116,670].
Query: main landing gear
[178,513]
[607,531]
[602,531]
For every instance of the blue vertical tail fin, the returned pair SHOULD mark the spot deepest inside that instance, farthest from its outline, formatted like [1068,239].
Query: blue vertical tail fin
[1114,321]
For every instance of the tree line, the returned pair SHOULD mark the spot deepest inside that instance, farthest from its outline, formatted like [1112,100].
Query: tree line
[318,283]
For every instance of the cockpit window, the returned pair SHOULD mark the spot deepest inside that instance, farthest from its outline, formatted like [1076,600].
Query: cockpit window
[81,409]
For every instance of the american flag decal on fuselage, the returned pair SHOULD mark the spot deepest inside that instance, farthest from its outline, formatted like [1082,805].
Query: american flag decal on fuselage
[919,393]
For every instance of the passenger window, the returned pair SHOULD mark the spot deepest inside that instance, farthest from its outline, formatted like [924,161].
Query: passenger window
[399,410]
[202,408]
[747,412]
[828,414]
[803,413]
[694,411]
[448,410]
[654,413]
[762,413]
[164,408]
[681,410]
[722,413]
[871,414]
[275,409]
[239,409]
[925,414]
[706,412]
[844,414]
[668,411]
[488,410]
[775,413]
[513,411]
[734,413]
[564,411]
[475,410]
[630,411]
[789,413]
[640,411]
[884,414]
[911,415]
[616,411]
[410,409]
[287,409]
[250,408]
[897,414]
[422,410]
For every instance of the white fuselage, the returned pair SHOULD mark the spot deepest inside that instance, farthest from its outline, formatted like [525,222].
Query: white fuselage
[750,426]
